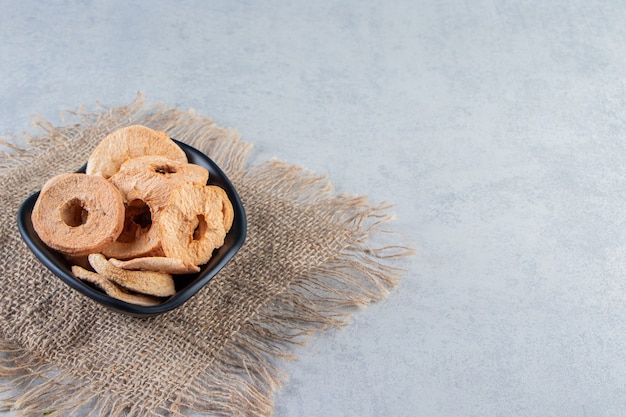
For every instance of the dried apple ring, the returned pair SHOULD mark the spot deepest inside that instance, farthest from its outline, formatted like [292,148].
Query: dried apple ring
[192,224]
[140,236]
[152,178]
[127,143]
[78,214]
[169,169]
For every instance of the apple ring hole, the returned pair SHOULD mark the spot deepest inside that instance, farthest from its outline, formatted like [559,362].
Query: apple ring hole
[137,222]
[201,228]
[165,169]
[73,213]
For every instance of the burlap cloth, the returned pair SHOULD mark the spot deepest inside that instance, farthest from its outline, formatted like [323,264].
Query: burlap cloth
[305,265]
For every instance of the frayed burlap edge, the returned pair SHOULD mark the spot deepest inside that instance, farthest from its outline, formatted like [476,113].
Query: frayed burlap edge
[242,378]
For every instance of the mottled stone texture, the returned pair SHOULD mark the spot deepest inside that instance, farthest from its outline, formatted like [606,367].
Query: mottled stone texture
[496,128]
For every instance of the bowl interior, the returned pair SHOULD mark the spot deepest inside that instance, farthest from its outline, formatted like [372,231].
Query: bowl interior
[186,285]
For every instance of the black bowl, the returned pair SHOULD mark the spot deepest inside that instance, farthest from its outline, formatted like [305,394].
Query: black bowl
[186,285]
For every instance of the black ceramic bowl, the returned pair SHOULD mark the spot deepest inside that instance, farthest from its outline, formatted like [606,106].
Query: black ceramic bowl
[186,285]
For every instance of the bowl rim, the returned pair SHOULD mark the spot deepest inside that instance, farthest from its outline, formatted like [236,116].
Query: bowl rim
[237,234]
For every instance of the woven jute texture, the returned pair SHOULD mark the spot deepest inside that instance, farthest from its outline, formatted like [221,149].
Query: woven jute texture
[306,265]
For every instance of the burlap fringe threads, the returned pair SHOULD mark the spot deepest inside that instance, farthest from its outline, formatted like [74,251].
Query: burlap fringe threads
[243,376]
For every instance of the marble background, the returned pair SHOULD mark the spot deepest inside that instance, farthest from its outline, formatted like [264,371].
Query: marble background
[496,128]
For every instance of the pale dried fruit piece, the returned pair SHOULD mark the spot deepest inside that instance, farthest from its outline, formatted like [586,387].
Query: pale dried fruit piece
[145,282]
[140,236]
[192,225]
[112,289]
[227,207]
[152,178]
[171,170]
[156,263]
[127,143]
[78,214]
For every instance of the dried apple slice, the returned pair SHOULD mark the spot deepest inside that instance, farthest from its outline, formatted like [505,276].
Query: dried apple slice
[156,263]
[192,224]
[145,282]
[112,289]
[78,214]
[127,143]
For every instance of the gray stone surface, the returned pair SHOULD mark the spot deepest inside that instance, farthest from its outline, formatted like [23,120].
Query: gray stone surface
[495,128]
